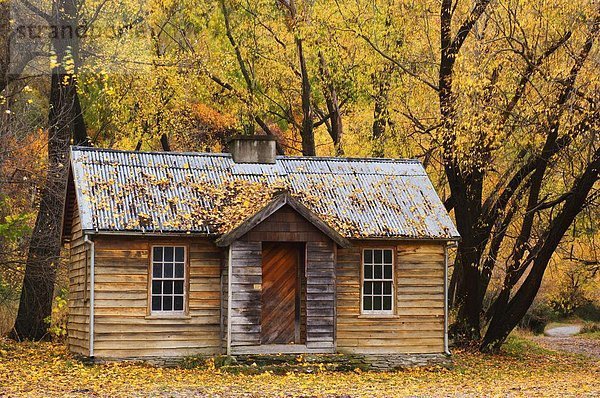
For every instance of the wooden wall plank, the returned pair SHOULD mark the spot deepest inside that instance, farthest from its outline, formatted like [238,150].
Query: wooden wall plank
[320,295]
[418,324]
[123,326]
[78,299]
[245,306]
[285,225]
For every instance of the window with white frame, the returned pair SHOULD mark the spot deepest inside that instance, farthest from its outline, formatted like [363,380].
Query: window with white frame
[168,279]
[378,281]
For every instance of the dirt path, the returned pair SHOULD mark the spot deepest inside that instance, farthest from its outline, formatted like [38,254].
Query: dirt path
[564,338]
[563,331]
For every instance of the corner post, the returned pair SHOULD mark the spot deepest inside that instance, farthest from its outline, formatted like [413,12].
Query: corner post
[446,246]
[92,253]
[229,297]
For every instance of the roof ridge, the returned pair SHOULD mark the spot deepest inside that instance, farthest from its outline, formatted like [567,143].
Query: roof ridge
[176,153]
[221,154]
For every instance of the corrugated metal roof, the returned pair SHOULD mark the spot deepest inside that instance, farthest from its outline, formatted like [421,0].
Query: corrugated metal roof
[165,192]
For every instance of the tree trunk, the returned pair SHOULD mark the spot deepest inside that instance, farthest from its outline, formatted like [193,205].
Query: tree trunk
[465,186]
[4,44]
[335,127]
[467,296]
[381,113]
[44,248]
[507,317]
[307,133]
[65,121]
[164,143]
[80,136]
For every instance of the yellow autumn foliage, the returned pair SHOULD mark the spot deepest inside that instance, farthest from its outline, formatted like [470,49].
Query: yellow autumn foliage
[45,369]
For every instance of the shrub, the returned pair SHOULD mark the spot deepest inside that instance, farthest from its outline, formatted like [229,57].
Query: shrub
[572,294]
[539,315]
[58,320]
[589,311]
[568,303]
[591,327]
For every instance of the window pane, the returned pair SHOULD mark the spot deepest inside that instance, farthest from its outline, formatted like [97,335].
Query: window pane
[167,303]
[387,256]
[377,303]
[377,288]
[368,271]
[168,254]
[387,287]
[367,303]
[378,256]
[156,303]
[156,287]
[178,270]
[387,274]
[179,254]
[377,274]
[178,287]
[368,288]
[157,270]
[157,254]
[168,270]
[168,287]
[168,264]
[368,256]
[387,303]
[178,304]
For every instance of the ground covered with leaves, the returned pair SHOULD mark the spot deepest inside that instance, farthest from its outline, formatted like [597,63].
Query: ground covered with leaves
[523,369]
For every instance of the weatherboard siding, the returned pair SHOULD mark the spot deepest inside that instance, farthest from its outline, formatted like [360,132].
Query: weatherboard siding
[320,296]
[245,315]
[125,328]
[418,323]
[285,225]
[78,299]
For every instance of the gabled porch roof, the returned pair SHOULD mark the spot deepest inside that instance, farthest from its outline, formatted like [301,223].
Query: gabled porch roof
[282,199]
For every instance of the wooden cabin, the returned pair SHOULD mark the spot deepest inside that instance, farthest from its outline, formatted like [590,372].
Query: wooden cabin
[174,254]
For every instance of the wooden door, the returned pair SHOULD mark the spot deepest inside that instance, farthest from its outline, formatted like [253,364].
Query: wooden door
[280,298]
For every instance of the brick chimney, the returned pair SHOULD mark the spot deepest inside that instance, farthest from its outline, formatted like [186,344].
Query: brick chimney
[252,148]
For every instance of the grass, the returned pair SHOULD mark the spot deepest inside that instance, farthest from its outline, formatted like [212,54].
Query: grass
[522,369]
[591,335]
[591,330]
[518,346]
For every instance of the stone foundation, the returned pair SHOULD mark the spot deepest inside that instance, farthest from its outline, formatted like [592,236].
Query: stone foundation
[301,363]
[387,362]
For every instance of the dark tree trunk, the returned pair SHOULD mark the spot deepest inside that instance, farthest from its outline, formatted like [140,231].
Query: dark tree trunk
[65,121]
[307,133]
[307,127]
[467,298]
[80,136]
[335,127]
[506,312]
[4,44]
[44,248]
[164,143]
[509,313]
[381,113]
[465,187]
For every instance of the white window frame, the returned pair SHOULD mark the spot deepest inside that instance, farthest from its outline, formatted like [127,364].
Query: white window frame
[382,279]
[184,279]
